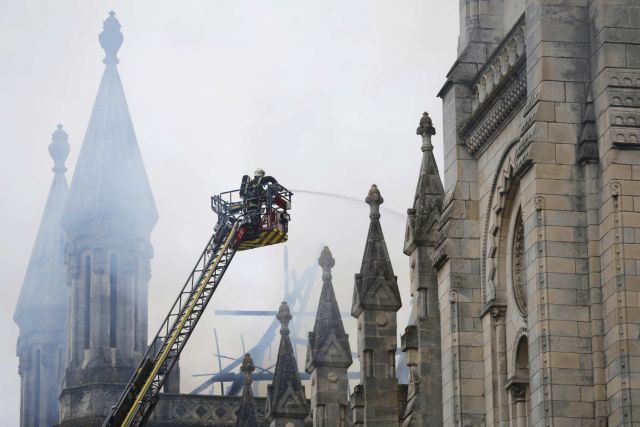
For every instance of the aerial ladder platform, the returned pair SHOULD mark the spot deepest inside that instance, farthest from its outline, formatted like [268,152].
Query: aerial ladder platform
[247,219]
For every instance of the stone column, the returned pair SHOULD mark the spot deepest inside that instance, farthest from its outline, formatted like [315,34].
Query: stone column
[498,314]
[519,397]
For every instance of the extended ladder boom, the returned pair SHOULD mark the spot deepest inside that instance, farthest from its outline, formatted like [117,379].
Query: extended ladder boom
[246,222]
[141,394]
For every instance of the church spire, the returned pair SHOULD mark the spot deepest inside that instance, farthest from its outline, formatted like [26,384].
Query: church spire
[376,286]
[108,221]
[44,283]
[328,355]
[286,400]
[421,339]
[429,193]
[42,305]
[247,410]
[376,299]
[110,182]
[328,343]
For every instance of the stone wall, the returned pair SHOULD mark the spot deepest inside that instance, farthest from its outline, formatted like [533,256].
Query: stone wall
[537,245]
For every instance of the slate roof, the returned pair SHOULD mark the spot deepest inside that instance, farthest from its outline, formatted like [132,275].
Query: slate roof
[110,181]
[44,285]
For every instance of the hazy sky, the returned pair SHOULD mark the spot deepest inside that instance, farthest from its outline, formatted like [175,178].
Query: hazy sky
[324,95]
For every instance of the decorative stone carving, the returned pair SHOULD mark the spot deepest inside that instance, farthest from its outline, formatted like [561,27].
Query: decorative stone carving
[499,313]
[381,319]
[483,125]
[519,266]
[502,180]
[504,60]
[519,392]
[111,39]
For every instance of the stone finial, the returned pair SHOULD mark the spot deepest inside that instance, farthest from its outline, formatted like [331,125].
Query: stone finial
[374,200]
[247,368]
[327,262]
[426,131]
[59,149]
[284,317]
[111,39]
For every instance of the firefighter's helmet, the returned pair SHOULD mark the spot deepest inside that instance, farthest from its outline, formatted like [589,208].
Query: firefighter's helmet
[259,172]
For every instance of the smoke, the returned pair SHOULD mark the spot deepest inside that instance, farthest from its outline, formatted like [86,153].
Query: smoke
[390,211]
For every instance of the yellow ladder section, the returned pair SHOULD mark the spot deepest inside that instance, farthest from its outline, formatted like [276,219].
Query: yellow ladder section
[183,319]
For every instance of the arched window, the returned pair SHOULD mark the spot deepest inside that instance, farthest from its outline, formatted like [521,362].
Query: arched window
[519,384]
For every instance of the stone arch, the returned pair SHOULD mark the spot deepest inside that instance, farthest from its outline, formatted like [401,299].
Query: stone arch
[501,187]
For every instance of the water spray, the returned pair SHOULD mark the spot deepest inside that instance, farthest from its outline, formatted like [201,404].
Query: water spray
[350,199]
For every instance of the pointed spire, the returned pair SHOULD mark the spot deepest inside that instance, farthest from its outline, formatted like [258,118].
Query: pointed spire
[111,39]
[247,410]
[44,286]
[376,286]
[285,396]
[429,193]
[110,181]
[328,343]
[588,143]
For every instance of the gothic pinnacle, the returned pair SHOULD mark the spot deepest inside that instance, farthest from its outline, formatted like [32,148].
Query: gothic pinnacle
[59,149]
[374,200]
[426,131]
[111,39]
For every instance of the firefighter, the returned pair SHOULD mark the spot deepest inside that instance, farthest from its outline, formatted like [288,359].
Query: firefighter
[251,190]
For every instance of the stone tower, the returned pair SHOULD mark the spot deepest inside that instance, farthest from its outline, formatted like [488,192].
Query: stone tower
[376,299]
[287,404]
[537,245]
[421,340]
[328,356]
[108,220]
[42,306]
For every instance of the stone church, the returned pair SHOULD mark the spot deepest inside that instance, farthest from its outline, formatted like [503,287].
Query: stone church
[524,271]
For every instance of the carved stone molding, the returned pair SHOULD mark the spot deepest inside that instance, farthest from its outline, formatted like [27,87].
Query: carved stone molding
[498,313]
[502,179]
[507,57]
[519,266]
[518,392]
[486,121]
[439,256]
[623,99]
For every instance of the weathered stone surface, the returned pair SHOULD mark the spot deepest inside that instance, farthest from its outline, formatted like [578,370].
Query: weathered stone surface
[287,405]
[376,299]
[566,176]
[328,355]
